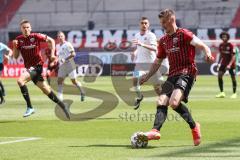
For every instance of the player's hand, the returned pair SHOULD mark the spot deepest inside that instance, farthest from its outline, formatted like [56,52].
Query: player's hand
[15,43]
[53,58]
[52,64]
[209,58]
[7,57]
[143,79]
[136,42]
[62,60]
[228,67]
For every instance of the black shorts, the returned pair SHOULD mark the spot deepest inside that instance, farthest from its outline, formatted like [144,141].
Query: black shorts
[183,82]
[36,73]
[223,69]
[1,66]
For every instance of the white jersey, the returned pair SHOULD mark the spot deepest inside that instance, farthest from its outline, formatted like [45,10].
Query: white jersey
[144,55]
[64,51]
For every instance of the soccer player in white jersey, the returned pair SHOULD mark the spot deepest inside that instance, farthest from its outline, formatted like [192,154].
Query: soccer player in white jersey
[143,56]
[5,52]
[67,66]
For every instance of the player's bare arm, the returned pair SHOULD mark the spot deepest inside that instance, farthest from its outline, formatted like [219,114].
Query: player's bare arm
[51,43]
[15,50]
[231,62]
[72,55]
[150,47]
[202,46]
[155,66]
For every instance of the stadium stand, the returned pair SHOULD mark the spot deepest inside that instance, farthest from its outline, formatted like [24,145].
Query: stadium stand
[236,20]
[75,14]
[7,11]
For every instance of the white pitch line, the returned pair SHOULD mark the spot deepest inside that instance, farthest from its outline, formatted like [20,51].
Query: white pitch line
[20,140]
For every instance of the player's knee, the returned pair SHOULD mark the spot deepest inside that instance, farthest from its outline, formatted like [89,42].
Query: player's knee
[174,103]
[161,101]
[20,82]
[74,82]
[46,90]
[220,74]
[158,89]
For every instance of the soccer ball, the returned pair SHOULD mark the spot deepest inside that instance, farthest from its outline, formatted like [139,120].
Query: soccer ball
[138,143]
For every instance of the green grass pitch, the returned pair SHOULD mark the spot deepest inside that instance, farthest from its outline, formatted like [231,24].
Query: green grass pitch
[108,136]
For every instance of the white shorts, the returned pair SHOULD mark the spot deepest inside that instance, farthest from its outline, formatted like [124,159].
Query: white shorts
[67,69]
[143,68]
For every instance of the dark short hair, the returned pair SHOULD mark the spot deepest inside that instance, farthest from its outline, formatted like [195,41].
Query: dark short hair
[225,33]
[166,13]
[144,18]
[60,32]
[24,21]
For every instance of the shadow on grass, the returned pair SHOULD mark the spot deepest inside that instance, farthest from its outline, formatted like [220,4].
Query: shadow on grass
[228,148]
[174,146]
[8,121]
[112,146]
[107,118]
[126,146]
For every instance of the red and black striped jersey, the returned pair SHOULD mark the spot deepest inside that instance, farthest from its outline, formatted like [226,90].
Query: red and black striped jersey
[30,48]
[180,52]
[226,53]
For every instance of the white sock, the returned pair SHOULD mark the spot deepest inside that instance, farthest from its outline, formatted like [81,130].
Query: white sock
[60,92]
[138,91]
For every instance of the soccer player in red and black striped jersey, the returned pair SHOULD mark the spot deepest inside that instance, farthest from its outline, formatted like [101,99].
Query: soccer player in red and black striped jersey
[226,62]
[179,46]
[28,44]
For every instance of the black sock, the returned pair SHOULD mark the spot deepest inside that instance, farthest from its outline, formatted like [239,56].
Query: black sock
[220,83]
[1,96]
[48,80]
[55,99]
[2,88]
[160,116]
[234,85]
[25,94]
[186,115]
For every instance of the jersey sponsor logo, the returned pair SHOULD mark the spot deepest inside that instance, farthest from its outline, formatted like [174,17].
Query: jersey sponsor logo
[173,50]
[226,52]
[32,39]
[29,47]
[175,40]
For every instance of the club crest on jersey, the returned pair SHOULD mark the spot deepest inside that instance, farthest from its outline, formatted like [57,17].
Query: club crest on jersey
[175,40]
[32,39]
